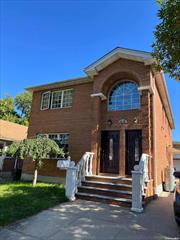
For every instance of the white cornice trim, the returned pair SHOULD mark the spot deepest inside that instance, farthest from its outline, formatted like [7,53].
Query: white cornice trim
[101,95]
[148,87]
[65,83]
[115,54]
[161,85]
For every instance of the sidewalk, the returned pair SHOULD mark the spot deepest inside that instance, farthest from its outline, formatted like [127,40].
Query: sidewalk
[89,221]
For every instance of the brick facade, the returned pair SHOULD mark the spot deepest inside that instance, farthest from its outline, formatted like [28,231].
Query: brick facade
[88,116]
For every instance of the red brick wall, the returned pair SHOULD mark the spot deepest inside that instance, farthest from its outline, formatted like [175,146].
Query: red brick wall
[75,120]
[163,140]
[88,116]
[119,71]
[48,168]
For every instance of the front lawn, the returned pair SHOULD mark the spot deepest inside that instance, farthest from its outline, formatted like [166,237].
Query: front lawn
[20,199]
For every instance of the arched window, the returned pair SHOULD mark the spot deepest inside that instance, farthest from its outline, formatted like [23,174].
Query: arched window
[124,96]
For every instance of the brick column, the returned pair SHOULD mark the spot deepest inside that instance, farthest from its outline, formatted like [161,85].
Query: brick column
[146,127]
[95,134]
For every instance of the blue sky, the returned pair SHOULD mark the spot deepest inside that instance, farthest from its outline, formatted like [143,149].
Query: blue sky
[46,41]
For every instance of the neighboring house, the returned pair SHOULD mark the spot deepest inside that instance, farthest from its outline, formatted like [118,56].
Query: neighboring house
[176,155]
[9,132]
[120,110]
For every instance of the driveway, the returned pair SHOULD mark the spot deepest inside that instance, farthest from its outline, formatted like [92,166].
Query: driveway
[89,220]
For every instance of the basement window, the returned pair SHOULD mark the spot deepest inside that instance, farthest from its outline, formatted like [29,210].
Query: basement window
[62,140]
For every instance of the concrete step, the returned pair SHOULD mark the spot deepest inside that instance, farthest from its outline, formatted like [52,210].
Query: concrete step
[104,199]
[105,192]
[109,179]
[107,185]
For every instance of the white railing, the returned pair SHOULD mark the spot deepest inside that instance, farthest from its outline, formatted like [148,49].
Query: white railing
[84,167]
[76,174]
[140,176]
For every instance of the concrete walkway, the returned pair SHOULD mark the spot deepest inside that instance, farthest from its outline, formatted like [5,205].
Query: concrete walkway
[89,220]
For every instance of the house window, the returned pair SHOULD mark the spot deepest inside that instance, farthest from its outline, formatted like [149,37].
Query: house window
[62,99]
[124,96]
[56,99]
[67,98]
[45,100]
[59,99]
[62,139]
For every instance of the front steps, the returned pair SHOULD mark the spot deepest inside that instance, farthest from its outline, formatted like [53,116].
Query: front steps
[111,190]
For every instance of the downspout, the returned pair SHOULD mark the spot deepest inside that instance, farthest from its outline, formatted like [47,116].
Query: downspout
[154,145]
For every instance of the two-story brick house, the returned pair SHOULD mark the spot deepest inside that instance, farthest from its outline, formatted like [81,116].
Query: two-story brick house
[118,111]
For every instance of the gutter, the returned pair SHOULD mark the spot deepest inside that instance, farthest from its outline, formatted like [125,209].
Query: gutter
[74,81]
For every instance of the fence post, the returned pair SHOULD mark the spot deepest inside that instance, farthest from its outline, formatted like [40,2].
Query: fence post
[137,184]
[71,178]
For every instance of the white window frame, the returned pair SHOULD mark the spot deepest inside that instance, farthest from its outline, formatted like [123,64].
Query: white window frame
[57,134]
[123,81]
[48,100]
[53,98]
[47,135]
[62,98]
[69,89]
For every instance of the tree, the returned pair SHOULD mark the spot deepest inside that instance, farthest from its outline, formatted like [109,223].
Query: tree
[166,48]
[23,104]
[37,149]
[16,110]
[7,111]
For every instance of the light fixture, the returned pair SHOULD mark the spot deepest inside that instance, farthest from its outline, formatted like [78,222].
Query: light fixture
[135,120]
[109,121]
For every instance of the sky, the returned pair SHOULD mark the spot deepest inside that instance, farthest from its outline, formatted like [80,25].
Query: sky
[46,41]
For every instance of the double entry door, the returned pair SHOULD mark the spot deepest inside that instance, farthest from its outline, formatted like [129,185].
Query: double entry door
[133,149]
[109,162]
[110,151]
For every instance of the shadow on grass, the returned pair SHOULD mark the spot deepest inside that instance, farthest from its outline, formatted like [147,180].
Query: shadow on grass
[21,199]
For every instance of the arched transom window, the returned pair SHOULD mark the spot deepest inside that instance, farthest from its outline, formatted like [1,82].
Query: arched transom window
[124,96]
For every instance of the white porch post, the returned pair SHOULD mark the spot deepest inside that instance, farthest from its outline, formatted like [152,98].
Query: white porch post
[137,185]
[71,183]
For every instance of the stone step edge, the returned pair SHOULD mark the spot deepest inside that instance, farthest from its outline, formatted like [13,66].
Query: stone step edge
[108,183]
[104,197]
[107,190]
[111,178]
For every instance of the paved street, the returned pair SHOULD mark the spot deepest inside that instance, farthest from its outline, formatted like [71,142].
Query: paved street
[89,220]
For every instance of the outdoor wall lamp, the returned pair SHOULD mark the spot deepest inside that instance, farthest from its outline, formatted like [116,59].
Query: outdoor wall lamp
[135,120]
[109,122]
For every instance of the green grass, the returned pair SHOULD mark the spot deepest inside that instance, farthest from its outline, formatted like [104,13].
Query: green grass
[19,199]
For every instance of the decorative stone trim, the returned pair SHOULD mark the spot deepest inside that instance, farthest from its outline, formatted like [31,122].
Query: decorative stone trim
[101,95]
[149,88]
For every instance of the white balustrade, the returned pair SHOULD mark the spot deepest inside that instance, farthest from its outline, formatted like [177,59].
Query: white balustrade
[76,174]
[139,179]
